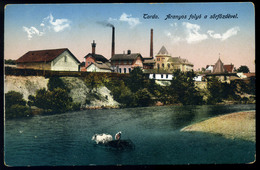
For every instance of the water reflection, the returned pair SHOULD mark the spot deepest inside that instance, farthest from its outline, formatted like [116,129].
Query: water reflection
[182,117]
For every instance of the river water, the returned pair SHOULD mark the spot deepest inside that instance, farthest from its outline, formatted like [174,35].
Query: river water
[65,139]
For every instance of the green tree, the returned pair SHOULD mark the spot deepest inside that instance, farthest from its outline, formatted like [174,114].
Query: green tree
[143,97]
[56,101]
[136,79]
[13,97]
[243,69]
[56,82]
[122,94]
[10,61]
[215,89]
[183,88]
[93,81]
[15,105]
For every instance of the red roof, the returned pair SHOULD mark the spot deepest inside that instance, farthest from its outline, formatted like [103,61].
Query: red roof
[42,55]
[249,74]
[229,68]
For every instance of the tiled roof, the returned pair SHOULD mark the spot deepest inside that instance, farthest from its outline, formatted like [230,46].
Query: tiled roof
[219,67]
[121,57]
[229,68]
[42,55]
[163,51]
[97,57]
[101,66]
[179,60]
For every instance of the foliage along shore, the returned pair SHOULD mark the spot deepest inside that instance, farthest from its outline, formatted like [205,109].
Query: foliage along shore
[63,95]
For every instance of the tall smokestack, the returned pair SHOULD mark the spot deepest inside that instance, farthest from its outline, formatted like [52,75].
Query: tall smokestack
[151,44]
[93,47]
[113,41]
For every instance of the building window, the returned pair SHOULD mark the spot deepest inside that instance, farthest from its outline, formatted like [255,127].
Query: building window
[161,75]
[129,69]
[124,70]
[166,75]
[162,65]
[65,58]
[154,76]
[158,66]
[169,66]
[120,70]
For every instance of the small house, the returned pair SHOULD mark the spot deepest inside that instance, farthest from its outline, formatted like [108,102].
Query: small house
[94,58]
[52,59]
[98,67]
[125,63]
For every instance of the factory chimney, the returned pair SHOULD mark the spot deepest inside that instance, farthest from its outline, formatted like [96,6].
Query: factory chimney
[113,42]
[151,44]
[93,47]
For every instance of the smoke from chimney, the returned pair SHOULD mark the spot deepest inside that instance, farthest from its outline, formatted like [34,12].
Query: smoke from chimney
[151,44]
[113,42]
[105,24]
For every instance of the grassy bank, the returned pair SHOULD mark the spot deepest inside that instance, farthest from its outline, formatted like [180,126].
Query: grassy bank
[240,125]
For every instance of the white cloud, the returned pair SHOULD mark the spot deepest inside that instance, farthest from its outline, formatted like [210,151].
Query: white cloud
[174,39]
[48,23]
[230,32]
[192,33]
[56,25]
[32,31]
[132,22]
[174,24]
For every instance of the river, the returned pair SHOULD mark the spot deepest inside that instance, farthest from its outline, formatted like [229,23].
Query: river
[65,139]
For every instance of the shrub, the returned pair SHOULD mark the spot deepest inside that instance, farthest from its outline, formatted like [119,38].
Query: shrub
[13,97]
[15,105]
[56,82]
[183,89]
[142,97]
[57,100]
[16,111]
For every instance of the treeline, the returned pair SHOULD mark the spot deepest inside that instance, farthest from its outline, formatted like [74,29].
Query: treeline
[136,90]
[140,91]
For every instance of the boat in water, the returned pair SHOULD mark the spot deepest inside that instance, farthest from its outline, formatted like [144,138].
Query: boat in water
[120,144]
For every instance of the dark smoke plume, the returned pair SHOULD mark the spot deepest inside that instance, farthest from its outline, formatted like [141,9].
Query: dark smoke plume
[105,24]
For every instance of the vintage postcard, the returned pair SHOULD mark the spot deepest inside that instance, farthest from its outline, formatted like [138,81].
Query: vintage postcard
[129,84]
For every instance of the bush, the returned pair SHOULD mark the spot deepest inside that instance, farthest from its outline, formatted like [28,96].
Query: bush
[56,82]
[16,111]
[183,89]
[57,100]
[142,97]
[13,97]
[136,79]
[15,105]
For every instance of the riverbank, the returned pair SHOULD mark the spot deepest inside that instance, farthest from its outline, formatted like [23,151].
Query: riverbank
[239,125]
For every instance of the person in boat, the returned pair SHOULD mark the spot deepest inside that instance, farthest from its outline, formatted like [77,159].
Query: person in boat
[118,135]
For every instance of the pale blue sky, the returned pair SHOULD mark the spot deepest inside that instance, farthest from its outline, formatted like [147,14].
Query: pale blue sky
[75,26]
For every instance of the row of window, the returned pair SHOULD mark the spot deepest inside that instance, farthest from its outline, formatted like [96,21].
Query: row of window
[158,65]
[158,59]
[129,70]
[167,76]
